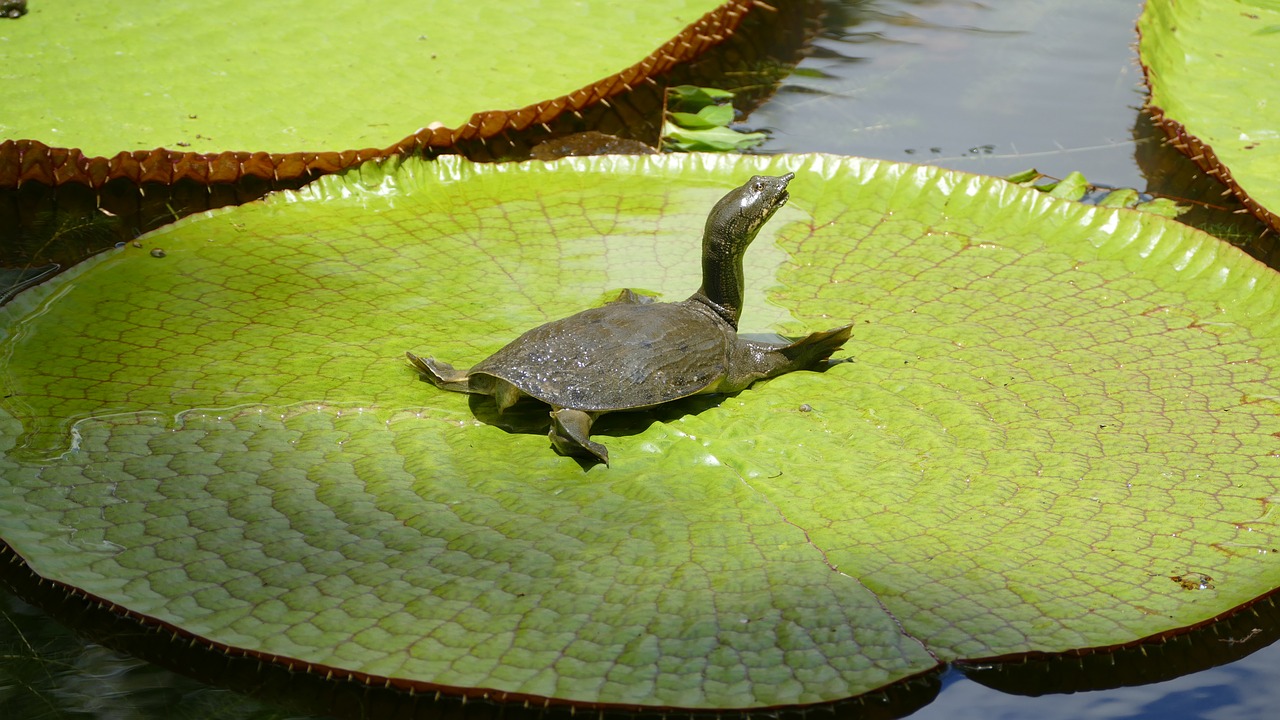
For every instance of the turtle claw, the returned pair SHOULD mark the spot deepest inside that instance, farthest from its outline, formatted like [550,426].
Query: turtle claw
[571,435]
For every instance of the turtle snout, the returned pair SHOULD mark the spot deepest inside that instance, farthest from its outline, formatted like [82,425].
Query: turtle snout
[783,195]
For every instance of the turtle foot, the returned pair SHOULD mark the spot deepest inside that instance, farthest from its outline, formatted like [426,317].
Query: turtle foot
[571,435]
[816,347]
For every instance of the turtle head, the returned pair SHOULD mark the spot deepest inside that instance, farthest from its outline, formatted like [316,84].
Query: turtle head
[731,226]
[736,219]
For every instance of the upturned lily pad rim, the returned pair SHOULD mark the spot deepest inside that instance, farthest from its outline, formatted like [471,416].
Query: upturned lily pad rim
[1199,647]
[24,160]
[1202,154]
[1156,658]
[275,678]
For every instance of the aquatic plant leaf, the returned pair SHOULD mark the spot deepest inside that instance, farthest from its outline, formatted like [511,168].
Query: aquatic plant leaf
[710,139]
[1164,207]
[304,76]
[1123,197]
[1210,65]
[692,98]
[1025,177]
[1076,187]
[1071,187]
[1058,430]
[711,116]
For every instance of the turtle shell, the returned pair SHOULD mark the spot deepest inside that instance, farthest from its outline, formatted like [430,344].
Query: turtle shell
[618,357]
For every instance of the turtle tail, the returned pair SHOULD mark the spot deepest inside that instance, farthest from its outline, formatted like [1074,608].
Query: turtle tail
[441,374]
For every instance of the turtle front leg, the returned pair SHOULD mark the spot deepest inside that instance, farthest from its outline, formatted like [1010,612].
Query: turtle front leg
[571,434]
[631,297]
[441,374]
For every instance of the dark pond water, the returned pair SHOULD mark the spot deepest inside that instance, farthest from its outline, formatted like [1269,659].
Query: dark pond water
[992,87]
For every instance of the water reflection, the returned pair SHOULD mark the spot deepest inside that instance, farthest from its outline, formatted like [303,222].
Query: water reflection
[986,87]
[47,672]
[15,280]
[1248,688]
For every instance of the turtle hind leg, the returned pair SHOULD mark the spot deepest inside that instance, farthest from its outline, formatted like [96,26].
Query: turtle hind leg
[441,374]
[571,435]
[751,361]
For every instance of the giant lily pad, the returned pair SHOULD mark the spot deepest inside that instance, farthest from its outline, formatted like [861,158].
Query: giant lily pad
[1211,68]
[210,91]
[1058,431]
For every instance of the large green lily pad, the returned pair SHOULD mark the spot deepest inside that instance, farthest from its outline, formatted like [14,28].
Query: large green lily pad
[1058,431]
[271,95]
[303,75]
[1211,66]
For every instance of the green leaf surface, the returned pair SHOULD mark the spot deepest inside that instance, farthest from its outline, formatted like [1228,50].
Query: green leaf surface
[692,98]
[1211,66]
[1071,187]
[710,116]
[303,75]
[1164,207]
[1123,197]
[1025,177]
[1053,411]
[711,139]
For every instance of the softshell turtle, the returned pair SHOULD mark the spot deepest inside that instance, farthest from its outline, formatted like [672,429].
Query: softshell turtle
[634,353]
